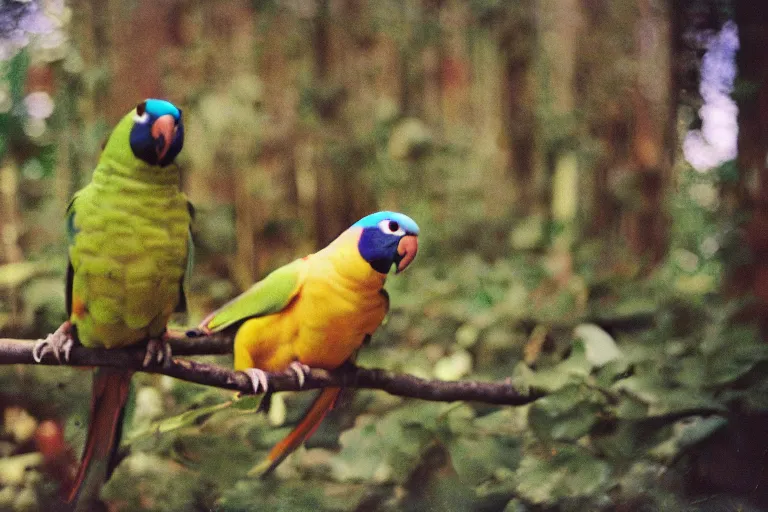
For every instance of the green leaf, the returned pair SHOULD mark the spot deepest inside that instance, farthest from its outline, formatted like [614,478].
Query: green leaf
[291,495]
[640,484]
[694,430]
[477,459]
[176,422]
[629,440]
[247,402]
[577,362]
[479,447]
[188,417]
[630,407]
[567,414]
[734,362]
[363,457]
[224,448]
[573,370]
[148,482]
[387,449]
[663,400]
[687,433]
[642,387]
[571,472]
[457,419]
[615,370]
[445,493]
[515,505]
[693,372]
[599,345]
[509,421]
[632,307]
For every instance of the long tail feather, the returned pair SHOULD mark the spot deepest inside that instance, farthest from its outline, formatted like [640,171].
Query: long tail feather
[306,427]
[110,393]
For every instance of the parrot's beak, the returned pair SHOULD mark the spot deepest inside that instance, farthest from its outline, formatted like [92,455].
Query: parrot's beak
[406,251]
[163,131]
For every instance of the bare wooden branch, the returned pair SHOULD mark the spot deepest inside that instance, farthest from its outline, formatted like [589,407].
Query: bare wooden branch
[502,393]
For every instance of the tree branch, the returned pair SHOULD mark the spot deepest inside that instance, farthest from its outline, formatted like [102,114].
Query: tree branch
[502,393]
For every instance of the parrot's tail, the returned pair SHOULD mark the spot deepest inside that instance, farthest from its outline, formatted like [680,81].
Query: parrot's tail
[306,427]
[110,392]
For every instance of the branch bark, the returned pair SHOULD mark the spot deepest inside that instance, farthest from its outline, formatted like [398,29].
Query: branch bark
[14,351]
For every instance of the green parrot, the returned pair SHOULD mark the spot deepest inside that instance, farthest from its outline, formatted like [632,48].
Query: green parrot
[130,250]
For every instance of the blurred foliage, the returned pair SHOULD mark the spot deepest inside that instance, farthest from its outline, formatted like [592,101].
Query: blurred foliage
[643,365]
[637,377]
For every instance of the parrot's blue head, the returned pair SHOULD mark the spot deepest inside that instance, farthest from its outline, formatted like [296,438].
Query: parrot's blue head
[158,132]
[388,238]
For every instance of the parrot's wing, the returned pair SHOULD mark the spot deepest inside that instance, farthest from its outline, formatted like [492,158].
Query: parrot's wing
[181,307]
[71,232]
[270,295]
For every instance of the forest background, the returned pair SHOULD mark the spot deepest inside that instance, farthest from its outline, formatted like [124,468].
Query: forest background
[592,227]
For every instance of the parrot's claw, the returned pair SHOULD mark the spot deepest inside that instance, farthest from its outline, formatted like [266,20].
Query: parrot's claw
[258,379]
[301,371]
[60,343]
[158,352]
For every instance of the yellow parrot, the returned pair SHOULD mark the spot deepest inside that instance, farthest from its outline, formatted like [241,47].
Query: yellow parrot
[316,312]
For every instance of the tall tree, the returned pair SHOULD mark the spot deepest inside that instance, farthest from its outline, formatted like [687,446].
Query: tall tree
[752,62]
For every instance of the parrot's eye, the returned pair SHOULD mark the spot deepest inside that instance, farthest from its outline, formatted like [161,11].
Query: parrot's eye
[141,113]
[391,227]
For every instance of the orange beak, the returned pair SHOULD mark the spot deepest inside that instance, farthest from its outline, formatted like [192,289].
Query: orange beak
[407,249]
[163,131]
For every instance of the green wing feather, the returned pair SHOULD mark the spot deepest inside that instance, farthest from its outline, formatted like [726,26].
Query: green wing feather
[181,307]
[270,295]
[70,213]
[71,231]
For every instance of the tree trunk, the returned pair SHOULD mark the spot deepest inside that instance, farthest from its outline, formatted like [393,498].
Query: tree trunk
[645,226]
[752,61]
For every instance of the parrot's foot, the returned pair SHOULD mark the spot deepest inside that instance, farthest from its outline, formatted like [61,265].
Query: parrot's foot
[301,371]
[258,379]
[158,352]
[60,343]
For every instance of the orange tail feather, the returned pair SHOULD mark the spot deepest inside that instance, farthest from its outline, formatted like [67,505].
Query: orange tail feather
[110,393]
[303,431]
